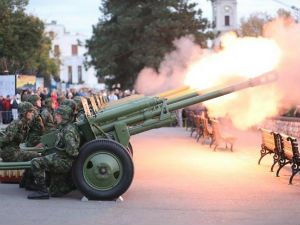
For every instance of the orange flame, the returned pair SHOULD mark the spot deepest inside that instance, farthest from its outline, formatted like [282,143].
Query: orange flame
[239,57]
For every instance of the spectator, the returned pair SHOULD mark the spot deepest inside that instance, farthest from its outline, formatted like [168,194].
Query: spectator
[67,92]
[7,109]
[61,97]
[54,96]
[14,107]
[112,97]
[24,96]
[39,92]
[70,95]
[44,95]
[127,93]
[1,112]
[74,92]
[117,93]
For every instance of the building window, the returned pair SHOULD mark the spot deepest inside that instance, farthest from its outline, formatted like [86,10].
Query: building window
[70,81]
[56,50]
[79,74]
[227,21]
[74,50]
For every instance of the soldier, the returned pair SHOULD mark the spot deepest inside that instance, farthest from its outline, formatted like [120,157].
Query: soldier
[72,104]
[59,164]
[36,127]
[15,134]
[47,115]
[80,111]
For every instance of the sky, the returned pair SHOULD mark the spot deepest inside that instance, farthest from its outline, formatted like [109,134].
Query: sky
[79,16]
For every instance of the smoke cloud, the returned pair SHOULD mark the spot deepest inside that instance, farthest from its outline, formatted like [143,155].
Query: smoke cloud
[248,107]
[172,70]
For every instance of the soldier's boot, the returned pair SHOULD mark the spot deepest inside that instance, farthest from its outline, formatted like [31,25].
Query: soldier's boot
[24,180]
[32,187]
[41,193]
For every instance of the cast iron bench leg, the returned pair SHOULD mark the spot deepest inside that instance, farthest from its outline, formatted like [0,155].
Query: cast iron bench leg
[275,160]
[282,163]
[295,169]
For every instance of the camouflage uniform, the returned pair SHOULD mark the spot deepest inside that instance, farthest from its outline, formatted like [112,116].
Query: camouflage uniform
[72,104]
[15,134]
[36,126]
[59,164]
[47,116]
[80,112]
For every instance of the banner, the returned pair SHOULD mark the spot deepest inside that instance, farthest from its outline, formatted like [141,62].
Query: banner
[26,82]
[53,85]
[39,83]
[7,85]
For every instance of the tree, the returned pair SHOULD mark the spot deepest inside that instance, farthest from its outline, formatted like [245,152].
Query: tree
[23,45]
[253,25]
[137,33]
[284,13]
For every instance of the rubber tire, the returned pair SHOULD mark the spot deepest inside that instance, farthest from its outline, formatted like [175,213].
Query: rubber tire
[115,148]
[130,149]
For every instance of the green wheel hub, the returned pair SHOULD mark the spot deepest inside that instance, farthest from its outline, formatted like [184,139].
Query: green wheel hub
[102,170]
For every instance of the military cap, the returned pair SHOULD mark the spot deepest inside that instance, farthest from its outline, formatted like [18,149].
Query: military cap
[25,107]
[49,101]
[33,99]
[65,111]
[77,99]
[71,103]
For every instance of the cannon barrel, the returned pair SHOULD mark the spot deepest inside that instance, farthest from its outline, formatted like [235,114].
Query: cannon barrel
[172,96]
[187,101]
[172,92]
[260,80]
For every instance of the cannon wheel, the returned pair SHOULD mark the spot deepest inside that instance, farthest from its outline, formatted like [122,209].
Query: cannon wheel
[130,149]
[103,170]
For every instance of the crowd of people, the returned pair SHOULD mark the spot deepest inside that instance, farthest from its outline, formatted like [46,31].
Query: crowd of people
[9,104]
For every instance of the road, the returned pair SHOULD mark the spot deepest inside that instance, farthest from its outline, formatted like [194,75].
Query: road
[177,181]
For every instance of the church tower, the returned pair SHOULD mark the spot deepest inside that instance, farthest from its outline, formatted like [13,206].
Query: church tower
[224,15]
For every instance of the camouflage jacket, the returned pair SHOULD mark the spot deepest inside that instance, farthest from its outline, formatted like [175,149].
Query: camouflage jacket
[36,129]
[48,120]
[15,133]
[80,116]
[68,140]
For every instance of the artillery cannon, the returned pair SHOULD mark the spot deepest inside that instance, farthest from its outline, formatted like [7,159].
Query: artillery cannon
[104,168]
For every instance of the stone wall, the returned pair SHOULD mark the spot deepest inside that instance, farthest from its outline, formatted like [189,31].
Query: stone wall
[285,125]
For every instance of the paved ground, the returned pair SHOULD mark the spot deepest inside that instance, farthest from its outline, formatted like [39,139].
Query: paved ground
[177,181]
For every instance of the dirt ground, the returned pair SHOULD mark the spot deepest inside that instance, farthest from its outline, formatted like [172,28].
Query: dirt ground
[177,181]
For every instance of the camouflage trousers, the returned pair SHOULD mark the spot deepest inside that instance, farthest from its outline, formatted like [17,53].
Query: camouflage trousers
[59,169]
[33,139]
[15,154]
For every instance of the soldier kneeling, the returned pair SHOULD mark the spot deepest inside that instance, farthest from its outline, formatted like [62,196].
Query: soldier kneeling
[59,164]
[17,133]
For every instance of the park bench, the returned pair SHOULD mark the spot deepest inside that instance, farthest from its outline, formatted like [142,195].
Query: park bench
[289,154]
[219,137]
[270,145]
[192,121]
[187,120]
[199,127]
[207,131]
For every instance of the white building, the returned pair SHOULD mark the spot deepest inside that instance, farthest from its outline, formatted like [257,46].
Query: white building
[70,49]
[224,14]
